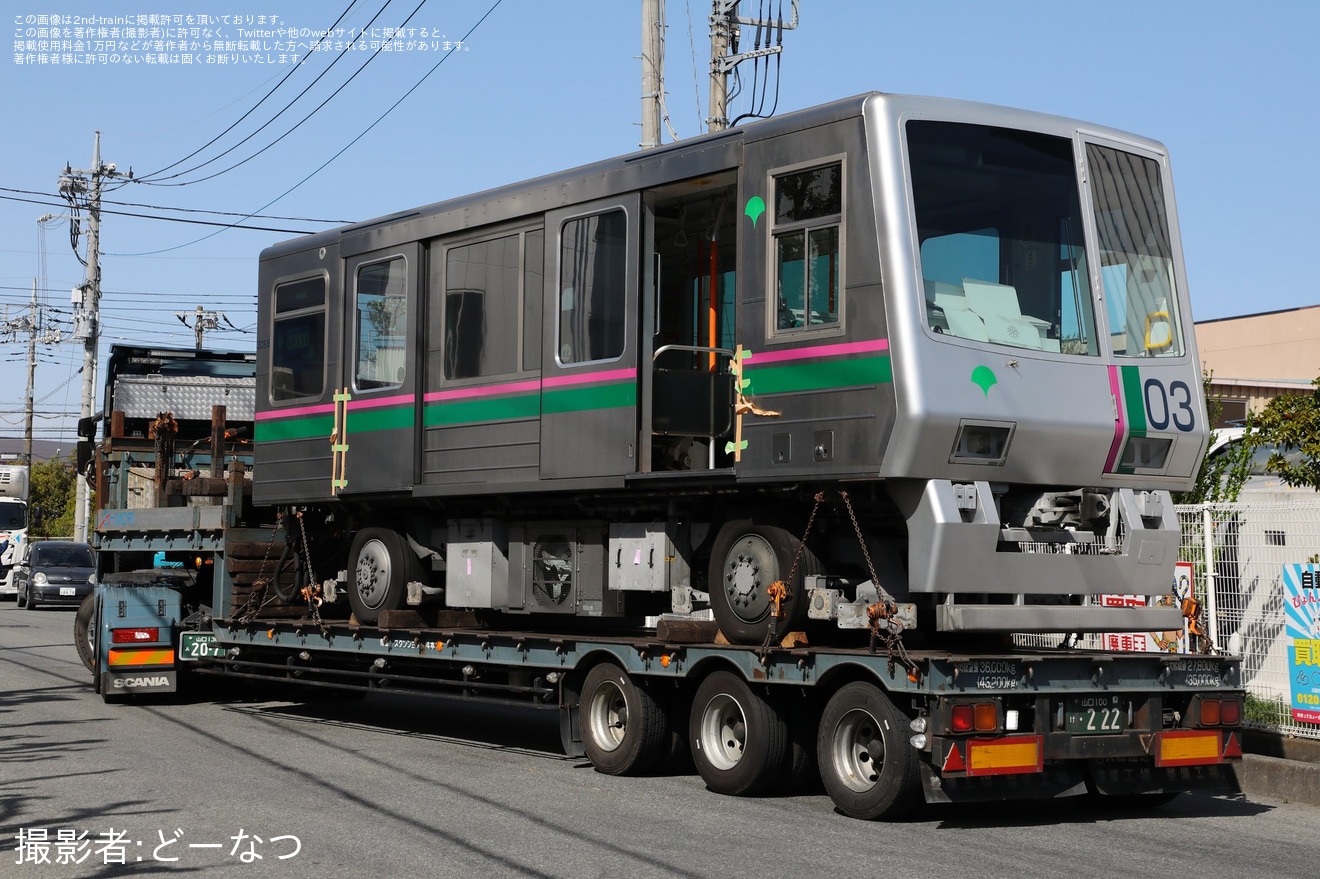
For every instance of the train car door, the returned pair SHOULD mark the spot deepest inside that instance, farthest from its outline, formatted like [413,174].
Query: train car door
[589,360]
[376,401]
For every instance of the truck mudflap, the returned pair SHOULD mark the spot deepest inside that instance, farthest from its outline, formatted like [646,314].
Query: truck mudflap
[135,649]
[142,681]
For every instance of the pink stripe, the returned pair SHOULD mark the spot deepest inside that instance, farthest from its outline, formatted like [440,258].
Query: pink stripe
[588,378]
[296,413]
[489,391]
[377,402]
[760,357]
[1120,424]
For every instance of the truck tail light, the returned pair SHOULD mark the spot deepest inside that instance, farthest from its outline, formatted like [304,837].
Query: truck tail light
[975,717]
[1221,712]
[134,636]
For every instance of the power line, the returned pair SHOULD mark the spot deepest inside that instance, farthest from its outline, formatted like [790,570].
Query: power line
[134,204]
[346,147]
[164,219]
[310,54]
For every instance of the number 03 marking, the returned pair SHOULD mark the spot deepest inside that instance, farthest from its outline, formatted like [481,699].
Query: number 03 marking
[1169,404]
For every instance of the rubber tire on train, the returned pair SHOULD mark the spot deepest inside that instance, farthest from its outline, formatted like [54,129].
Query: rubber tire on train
[380,564]
[764,552]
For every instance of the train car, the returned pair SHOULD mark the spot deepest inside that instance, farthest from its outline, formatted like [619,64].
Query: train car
[889,349]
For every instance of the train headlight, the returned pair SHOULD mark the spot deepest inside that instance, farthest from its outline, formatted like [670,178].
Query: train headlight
[981,442]
[1146,452]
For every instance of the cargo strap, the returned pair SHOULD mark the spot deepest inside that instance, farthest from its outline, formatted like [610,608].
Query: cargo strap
[261,583]
[777,591]
[311,591]
[882,617]
[1194,613]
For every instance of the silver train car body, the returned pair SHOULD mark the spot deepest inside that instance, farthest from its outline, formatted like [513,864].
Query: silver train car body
[672,378]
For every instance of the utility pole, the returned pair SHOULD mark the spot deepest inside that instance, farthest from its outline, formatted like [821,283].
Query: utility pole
[34,326]
[206,320]
[725,26]
[31,380]
[82,189]
[653,73]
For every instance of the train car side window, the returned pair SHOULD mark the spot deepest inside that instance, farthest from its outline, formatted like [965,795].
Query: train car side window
[382,324]
[593,271]
[481,308]
[808,216]
[1136,253]
[297,357]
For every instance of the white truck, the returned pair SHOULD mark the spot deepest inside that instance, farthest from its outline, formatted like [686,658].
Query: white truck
[13,521]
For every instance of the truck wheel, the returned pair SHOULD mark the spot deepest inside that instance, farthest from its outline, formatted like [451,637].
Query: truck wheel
[868,766]
[380,565]
[739,740]
[84,632]
[745,559]
[625,731]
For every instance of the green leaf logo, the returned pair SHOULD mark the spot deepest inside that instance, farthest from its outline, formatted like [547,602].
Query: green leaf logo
[755,207]
[984,377]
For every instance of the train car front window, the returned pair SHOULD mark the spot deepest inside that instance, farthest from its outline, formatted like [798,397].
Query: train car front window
[1002,251]
[1136,253]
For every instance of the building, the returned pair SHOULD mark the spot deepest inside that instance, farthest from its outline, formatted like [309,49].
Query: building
[1255,357]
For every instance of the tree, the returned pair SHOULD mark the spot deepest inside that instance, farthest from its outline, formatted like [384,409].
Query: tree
[1291,423]
[52,498]
[1222,476]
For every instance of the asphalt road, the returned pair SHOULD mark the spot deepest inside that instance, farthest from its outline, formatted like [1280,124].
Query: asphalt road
[391,788]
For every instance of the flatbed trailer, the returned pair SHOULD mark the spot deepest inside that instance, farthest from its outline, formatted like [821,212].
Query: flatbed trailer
[766,445]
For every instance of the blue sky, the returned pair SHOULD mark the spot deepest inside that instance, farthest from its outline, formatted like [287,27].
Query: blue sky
[1230,88]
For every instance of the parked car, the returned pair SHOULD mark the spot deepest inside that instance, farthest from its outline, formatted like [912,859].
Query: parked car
[55,572]
[1229,439]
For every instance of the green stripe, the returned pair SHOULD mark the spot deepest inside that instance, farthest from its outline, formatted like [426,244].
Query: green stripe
[385,418]
[472,411]
[582,399]
[1134,401]
[310,427]
[798,377]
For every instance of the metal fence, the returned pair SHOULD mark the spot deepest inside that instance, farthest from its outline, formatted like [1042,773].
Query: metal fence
[1240,554]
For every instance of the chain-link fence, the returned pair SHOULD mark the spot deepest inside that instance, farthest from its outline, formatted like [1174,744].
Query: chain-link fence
[1243,555]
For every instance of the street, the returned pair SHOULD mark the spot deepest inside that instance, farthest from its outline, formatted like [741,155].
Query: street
[243,781]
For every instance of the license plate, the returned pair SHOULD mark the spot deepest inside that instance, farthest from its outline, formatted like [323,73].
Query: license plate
[198,645]
[68,590]
[1093,715]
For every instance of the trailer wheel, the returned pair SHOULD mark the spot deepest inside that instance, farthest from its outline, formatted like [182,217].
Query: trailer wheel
[868,766]
[84,632]
[739,740]
[625,730]
[379,569]
[745,559]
